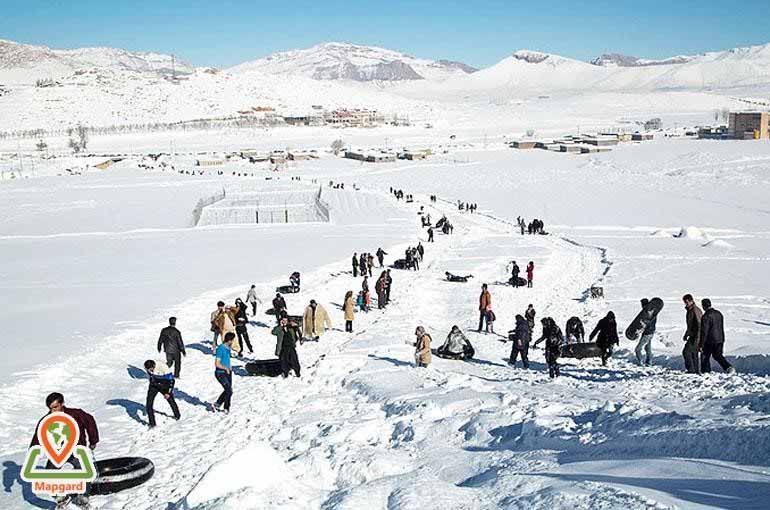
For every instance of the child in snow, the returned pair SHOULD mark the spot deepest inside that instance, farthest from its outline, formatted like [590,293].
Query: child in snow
[490,319]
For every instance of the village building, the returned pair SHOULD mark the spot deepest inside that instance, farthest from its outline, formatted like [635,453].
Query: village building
[749,125]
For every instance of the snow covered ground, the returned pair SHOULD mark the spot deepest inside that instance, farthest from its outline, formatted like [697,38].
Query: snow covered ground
[363,427]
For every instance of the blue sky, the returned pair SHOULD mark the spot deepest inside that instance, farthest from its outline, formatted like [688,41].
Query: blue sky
[221,33]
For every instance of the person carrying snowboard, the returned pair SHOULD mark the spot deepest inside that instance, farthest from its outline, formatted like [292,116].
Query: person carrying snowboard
[606,332]
[161,381]
[645,342]
[521,337]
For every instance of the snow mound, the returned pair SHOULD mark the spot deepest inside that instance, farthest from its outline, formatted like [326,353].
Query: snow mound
[255,472]
[661,233]
[693,233]
[717,243]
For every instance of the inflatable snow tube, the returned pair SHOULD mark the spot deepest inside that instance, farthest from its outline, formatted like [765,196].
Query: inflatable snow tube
[119,474]
[580,351]
[287,289]
[264,367]
[454,356]
[399,264]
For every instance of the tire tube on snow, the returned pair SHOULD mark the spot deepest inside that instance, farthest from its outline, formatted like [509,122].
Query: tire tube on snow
[119,474]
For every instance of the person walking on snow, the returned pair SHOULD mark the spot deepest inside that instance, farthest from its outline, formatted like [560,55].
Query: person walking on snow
[422,354]
[530,271]
[286,346]
[355,263]
[315,321]
[381,288]
[553,343]
[607,331]
[430,234]
[485,300]
[89,436]
[521,336]
[161,381]
[241,327]
[349,307]
[170,341]
[691,335]
[225,322]
[381,256]
[712,339]
[223,372]
[362,264]
[388,285]
[530,316]
[253,300]
[214,328]
[645,342]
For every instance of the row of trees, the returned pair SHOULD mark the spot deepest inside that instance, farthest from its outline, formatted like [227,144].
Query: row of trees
[187,125]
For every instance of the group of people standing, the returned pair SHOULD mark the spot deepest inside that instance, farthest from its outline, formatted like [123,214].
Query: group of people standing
[364,263]
[516,281]
[467,206]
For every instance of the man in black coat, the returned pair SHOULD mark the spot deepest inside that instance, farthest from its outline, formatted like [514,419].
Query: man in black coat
[521,337]
[573,331]
[160,382]
[171,341]
[279,305]
[712,339]
[607,331]
[355,265]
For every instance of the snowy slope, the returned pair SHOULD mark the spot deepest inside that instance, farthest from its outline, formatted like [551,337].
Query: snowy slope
[25,63]
[343,61]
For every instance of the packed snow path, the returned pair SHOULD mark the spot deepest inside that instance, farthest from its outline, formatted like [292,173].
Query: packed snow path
[364,428]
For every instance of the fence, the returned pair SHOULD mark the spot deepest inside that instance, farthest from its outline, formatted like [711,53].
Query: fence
[268,207]
[205,202]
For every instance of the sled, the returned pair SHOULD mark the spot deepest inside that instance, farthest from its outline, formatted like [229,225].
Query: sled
[119,474]
[643,318]
[580,351]
[399,264]
[287,289]
[522,281]
[453,356]
[264,367]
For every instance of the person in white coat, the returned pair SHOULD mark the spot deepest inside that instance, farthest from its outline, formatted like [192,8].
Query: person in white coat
[253,300]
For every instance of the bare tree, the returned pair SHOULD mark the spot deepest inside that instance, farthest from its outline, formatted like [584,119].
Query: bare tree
[82,136]
[337,146]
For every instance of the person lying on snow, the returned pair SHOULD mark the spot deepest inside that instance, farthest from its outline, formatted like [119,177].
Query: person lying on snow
[454,278]
[456,346]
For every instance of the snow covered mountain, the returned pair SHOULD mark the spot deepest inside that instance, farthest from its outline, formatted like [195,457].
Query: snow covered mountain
[620,60]
[343,61]
[25,63]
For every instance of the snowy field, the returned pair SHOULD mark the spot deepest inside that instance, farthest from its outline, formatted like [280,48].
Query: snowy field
[93,264]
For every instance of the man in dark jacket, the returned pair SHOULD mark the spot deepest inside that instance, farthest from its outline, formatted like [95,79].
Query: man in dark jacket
[161,381]
[515,274]
[574,332]
[285,347]
[279,306]
[712,339]
[170,341]
[388,285]
[607,331]
[553,343]
[692,335]
[530,316]
[355,265]
[381,256]
[521,337]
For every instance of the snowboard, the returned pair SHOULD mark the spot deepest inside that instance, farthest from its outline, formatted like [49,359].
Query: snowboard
[649,312]
[580,351]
